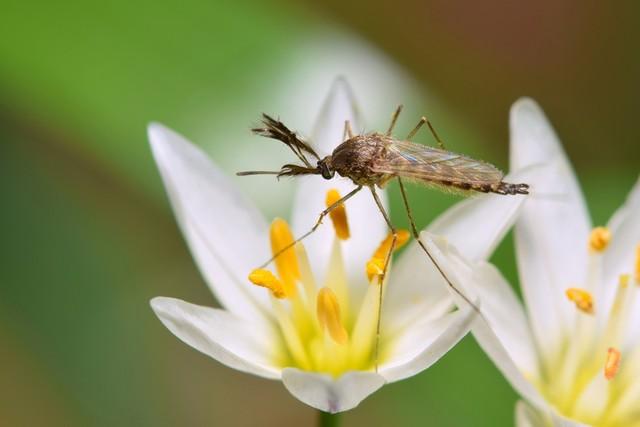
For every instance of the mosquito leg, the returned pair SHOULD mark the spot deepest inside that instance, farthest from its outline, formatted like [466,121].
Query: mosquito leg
[347,130]
[416,236]
[394,118]
[387,260]
[434,133]
[415,130]
[315,226]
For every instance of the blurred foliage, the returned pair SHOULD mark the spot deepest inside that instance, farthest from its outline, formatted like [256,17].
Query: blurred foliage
[88,237]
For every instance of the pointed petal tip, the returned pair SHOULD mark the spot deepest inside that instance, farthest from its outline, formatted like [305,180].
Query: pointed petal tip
[156,132]
[341,84]
[219,334]
[525,102]
[526,108]
[158,303]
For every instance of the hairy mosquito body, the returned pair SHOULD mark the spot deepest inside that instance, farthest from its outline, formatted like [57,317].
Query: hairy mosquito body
[371,160]
[375,159]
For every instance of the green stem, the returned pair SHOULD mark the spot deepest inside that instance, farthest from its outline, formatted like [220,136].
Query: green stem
[326,419]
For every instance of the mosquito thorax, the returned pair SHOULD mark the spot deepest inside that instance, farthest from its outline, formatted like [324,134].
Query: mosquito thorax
[354,157]
[325,168]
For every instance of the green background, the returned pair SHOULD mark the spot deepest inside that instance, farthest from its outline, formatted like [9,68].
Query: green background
[88,236]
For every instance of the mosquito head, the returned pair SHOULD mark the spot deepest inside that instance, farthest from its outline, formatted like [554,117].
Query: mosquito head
[275,129]
[324,166]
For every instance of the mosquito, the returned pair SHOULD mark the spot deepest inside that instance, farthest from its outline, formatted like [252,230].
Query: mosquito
[372,160]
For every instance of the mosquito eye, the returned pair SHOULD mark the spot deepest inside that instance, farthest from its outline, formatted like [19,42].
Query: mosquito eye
[326,173]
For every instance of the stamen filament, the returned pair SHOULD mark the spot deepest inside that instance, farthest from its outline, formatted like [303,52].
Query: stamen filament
[618,314]
[637,269]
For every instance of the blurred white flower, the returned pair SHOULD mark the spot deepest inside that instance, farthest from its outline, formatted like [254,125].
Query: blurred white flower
[574,352]
[314,327]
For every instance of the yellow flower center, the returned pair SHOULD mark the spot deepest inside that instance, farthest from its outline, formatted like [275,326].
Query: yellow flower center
[323,328]
[593,378]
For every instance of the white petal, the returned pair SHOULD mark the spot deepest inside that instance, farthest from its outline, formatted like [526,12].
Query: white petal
[491,344]
[414,288]
[526,416]
[476,225]
[424,343]
[506,317]
[552,230]
[559,421]
[366,223]
[340,105]
[593,403]
[235,342]
[327,394]
[462,278]
[227,235]
[625,230]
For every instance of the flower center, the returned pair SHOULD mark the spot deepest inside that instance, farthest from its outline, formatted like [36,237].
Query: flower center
[322,328]
[592,379]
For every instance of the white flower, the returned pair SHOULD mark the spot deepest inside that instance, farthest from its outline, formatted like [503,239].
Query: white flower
[314,327]
[574,351]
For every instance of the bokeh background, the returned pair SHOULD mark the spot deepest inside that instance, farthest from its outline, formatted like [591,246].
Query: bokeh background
[86,230]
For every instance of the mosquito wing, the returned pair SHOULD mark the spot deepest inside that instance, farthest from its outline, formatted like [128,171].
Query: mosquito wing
[435,166]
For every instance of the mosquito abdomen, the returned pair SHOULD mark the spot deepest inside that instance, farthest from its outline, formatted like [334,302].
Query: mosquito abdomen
[512,189]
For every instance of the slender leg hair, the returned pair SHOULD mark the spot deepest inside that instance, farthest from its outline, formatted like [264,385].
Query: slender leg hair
[394,233]
[415,130]
[416,236]
[394,119]
[435,135]
[315,226]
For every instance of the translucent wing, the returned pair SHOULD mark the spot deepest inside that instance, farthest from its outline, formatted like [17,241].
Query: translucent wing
[435,166]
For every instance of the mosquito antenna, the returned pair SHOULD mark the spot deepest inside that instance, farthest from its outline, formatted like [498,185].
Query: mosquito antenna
[247,173]
[275,129]
[287,170]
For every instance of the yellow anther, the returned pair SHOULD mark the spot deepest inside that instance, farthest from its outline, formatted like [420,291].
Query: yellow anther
[624,280]
[286,262]
[582,299]
[383,249]
[338,215]
[599,239]
[638,264]
[328,310]
[612,364]
[375,265]
[266,279]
